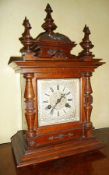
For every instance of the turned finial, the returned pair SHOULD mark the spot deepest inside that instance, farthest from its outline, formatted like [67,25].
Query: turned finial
[49,24]
[86,44]
[26,38]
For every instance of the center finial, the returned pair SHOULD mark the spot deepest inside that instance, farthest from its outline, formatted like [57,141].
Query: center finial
[49,24]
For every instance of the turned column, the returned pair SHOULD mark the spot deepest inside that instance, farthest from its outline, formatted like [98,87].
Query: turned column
[87,55]
[88,99]
[29,103]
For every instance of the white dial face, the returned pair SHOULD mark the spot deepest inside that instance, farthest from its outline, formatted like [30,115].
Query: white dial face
[58,101]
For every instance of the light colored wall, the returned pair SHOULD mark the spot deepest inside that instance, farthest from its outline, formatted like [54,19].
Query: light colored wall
[70,16]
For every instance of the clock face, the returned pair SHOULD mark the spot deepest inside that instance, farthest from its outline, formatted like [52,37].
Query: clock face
[58,101]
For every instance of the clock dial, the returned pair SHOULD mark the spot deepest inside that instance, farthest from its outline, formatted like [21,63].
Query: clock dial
[58,101]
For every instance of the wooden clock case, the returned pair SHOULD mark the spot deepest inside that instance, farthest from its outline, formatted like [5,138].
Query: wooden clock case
[48,57]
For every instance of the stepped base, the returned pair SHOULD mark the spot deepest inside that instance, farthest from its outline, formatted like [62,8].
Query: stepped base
[25,156]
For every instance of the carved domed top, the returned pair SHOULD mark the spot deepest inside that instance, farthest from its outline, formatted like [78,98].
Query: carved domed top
[49,26]
[51,44]
[53,37]
[48,44]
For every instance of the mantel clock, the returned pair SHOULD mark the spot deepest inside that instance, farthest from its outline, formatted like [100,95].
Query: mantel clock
[57,95]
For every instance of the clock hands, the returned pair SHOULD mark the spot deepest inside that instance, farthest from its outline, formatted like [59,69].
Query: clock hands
[58,101]
[65,104]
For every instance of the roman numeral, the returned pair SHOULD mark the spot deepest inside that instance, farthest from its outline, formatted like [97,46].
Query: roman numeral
[67,93]
[58,113]
[57,87]
[64,111]
[64,89]
[47,94]
[45,101]
[69,99]
[52,90]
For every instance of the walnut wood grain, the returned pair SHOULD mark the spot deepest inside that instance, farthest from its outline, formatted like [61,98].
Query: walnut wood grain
[26,38]
[86,44]
[88,99]
[29,101]
[91,163]
[49,24]
[48,56]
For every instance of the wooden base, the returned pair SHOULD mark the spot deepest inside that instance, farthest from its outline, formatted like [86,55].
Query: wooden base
[25,156]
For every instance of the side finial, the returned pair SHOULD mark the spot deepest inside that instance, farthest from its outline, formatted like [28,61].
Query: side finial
[49,24]
[86,44]
[26,38]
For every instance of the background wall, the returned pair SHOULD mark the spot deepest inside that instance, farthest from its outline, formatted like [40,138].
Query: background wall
[70,16]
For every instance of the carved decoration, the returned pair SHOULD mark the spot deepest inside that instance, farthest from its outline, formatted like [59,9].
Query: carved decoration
[57,53]
[88,99]
[29,101]
[49,44]
[26,38]
[61,136]
[86,44]
[40,46]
